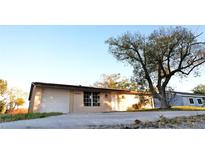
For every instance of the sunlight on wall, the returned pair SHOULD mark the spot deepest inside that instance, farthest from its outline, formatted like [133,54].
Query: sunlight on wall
[114,102]
[37,100]
[127,101]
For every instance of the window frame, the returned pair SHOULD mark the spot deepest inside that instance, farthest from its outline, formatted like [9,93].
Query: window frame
[93,101]
[199,101]
[87,99]
[191,101]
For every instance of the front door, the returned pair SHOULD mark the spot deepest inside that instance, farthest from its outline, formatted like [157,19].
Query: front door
[115,103]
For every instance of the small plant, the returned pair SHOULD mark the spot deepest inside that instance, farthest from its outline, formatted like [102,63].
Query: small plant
[19,101]
[2,107]
[143,101]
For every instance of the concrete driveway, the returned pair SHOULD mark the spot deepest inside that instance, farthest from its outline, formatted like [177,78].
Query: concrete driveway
[79,121]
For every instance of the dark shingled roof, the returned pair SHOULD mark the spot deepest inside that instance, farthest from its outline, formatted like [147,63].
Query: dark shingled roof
[79,87]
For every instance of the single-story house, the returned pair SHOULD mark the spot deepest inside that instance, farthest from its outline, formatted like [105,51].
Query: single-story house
[183,99]
[187,99]
[49,97]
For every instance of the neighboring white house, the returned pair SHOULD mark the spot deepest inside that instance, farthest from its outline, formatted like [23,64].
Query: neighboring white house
[184,99]
[187,99]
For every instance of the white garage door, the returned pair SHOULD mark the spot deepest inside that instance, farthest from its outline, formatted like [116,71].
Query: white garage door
[55,100]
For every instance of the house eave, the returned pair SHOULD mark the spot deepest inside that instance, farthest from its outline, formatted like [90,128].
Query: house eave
[82,88]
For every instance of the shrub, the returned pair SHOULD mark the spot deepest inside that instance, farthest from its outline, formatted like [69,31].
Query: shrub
[17,111]
[2,107]
[143,101]
[19,101]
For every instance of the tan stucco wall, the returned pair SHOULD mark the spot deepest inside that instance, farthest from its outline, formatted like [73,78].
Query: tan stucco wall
[126,101]
[43,102]
[78,104]
[37,99]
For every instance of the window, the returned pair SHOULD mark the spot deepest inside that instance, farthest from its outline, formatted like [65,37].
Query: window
[96,99]
[91,99]
[199,101]
[87,99]
[191,100]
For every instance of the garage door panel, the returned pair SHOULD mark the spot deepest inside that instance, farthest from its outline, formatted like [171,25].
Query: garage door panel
[55,101]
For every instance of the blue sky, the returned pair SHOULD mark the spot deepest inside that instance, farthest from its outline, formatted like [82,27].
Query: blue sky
[67,54]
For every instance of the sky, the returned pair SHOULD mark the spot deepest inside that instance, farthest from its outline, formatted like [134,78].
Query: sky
[74,55]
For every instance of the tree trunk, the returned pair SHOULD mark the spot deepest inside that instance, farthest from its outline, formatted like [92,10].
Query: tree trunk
[160,99]
[164,104]
[163,99]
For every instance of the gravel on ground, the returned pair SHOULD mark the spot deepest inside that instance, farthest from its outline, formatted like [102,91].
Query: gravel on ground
[191,122]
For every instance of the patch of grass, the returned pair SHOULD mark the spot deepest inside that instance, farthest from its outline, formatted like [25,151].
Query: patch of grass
[11,117]
[146,110]
[188,108]
[173,108]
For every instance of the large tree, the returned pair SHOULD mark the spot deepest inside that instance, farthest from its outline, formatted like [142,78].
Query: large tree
[17,98]
[9,99]
[200,89]
[116,81]
[160,56]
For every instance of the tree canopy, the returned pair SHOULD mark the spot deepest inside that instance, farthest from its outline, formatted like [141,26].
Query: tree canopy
[10,98]
[200,89]
[158,57]
[116,81]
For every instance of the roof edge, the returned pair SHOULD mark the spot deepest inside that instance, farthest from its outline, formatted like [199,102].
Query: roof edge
[74,86]
[80,87]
